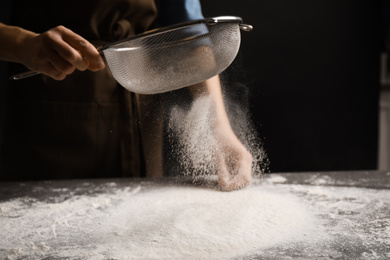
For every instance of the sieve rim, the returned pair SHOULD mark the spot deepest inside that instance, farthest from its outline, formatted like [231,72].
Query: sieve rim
[173,43]
[207,21]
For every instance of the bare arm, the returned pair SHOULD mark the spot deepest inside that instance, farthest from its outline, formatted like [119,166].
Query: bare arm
[56,52]
[234,162]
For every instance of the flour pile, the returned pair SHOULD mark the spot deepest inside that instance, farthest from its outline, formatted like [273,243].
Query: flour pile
[152,220]
[165,223]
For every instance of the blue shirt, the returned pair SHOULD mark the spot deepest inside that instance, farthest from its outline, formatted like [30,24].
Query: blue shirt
[177,11]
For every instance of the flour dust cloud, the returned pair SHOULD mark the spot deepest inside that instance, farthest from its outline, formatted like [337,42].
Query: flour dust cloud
[193,141]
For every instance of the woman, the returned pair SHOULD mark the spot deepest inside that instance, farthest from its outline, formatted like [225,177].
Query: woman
[75,121]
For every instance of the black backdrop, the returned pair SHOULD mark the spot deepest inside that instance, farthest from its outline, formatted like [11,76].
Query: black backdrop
[312,70]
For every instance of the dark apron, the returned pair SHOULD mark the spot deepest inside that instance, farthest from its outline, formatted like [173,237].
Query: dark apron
[85,126]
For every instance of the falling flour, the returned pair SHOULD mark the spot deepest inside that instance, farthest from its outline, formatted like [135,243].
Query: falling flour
[194,142]
[196,145]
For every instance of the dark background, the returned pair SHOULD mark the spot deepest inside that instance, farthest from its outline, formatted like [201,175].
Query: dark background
[5,7]
[312,70]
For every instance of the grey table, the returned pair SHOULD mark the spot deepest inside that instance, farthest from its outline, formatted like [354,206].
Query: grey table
[168,218]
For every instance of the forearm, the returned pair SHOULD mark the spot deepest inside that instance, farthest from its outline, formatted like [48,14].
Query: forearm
[233,160]
[11,40]
[212,87]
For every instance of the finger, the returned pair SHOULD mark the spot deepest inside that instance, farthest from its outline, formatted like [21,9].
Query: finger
[224,177]
[238,173]
[244,170]
[245,163]
[86,49]
[53,39]
[244,176]
[60,64]
[49,70]
[73,57]
[222,171]
[70,55]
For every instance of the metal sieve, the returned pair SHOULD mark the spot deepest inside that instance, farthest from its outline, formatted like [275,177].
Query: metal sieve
[173,57]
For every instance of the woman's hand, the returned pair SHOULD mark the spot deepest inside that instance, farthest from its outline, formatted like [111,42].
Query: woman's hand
[58,52]
[55,53]
[234,162]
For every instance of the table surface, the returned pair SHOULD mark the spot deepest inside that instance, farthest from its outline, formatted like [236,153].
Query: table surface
[349,215]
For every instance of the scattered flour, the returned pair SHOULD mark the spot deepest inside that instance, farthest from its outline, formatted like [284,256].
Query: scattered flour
[275,179]
[358,219]
[266,220]
[321,180]
[163,223]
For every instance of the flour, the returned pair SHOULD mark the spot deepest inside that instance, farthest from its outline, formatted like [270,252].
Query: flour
[266,220]
[166,223]
[194,142]
[196,146]
[275,179]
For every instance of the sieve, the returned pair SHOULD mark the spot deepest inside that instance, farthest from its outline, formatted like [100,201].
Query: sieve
[172,57]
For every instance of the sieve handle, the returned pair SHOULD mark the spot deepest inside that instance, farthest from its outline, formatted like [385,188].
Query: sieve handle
[30,73]
[229,19]
[23,75]
[246,27]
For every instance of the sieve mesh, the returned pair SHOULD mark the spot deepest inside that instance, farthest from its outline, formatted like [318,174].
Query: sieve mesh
[173,59]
